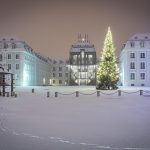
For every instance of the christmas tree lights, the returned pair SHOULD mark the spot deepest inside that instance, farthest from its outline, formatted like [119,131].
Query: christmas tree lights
[107,70]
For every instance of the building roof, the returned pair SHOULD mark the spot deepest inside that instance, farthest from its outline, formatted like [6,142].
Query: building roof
[140,36]
[3,71]
[82,43]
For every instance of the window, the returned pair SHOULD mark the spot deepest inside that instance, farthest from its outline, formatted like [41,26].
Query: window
[132,44]
[60,68]
[60,74]
[142,65]
[132,76]
[90,59]
[17,66]
[60,81]
[142,55]
[13,45]
[142,44]
[17,56]
[132,55]
[1,57]
[9,66]
[66,68]
[53,81]
[132,65]
[60,62]
[66,74]
[9,56]
[5,46]
[54,75]
[54,69]
[132,84]
[54,62]
[142,76]
[66,82]
[142,84]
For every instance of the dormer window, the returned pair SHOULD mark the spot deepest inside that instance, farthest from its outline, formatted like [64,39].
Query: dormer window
[142,44]
[146,37]
[132,44]
[5,45]
[136,37]
[13,45]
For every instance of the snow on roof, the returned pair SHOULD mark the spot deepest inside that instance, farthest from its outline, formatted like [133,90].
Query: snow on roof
[141,36]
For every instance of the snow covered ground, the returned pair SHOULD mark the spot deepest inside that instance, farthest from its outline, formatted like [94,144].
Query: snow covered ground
[33,121]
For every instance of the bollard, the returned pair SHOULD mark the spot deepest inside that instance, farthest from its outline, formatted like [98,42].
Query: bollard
[47,94]
[32,90]
[7,94]
[77,93]
[141,92]
[98,93]
[15,94]
[119,92]
[56,94]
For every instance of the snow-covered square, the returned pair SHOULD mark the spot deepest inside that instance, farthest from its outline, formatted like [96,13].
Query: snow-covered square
[33,121]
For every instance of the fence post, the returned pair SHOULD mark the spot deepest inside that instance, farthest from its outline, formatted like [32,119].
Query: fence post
[32,90]
[48,94]
[98,93]
[141,92]
[119,92]
[77,93]
[56,94]
[15,94]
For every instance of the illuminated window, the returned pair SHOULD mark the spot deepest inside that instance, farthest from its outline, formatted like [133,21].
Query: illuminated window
[60,81]
[44,81]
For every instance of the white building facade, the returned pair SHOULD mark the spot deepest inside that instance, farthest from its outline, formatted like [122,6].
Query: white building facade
[28,67]
[59,72]
[135,61]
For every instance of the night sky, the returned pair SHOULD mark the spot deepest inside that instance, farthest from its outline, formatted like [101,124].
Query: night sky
[51,26]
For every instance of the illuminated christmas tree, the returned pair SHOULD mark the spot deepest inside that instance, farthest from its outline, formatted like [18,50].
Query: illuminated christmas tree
[107,70]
